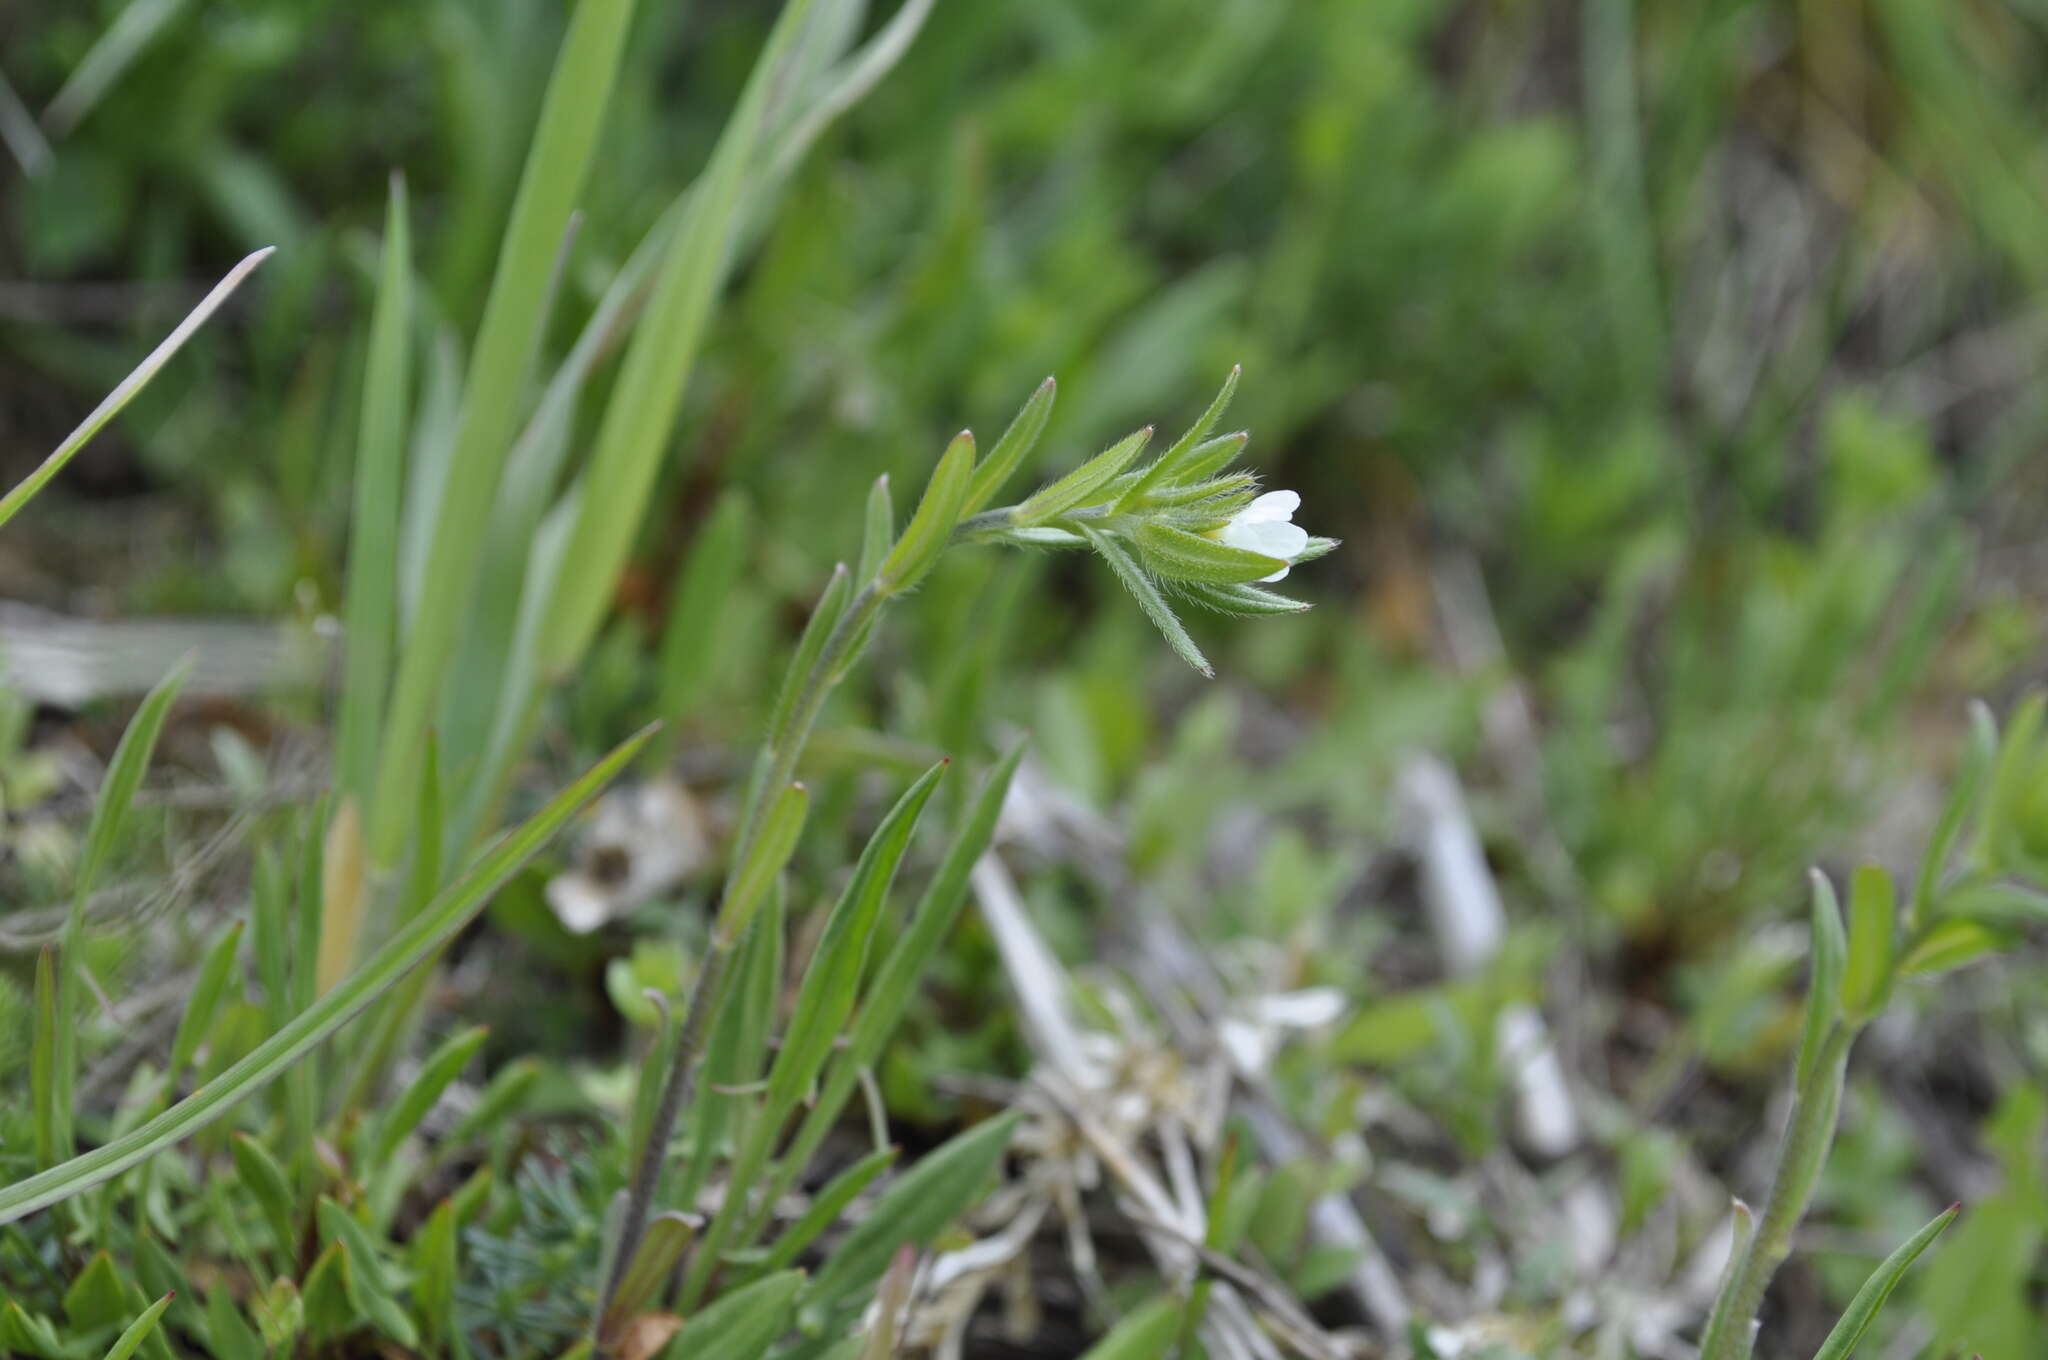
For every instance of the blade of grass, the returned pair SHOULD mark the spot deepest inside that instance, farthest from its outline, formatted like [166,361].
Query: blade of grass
[11,504]
[572,111]
[109,815]
[372,613]
[428,931]
[641,413]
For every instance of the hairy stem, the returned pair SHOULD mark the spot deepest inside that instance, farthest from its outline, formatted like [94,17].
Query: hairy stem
[774,770]
[1808,1136]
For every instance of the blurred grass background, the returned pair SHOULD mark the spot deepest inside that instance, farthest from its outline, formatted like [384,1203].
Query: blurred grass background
[1668,370]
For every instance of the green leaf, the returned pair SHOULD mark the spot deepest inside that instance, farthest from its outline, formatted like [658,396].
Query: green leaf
[434,1275]
[96,1298]
[780,831]
[1948,944]
[931,525]
[372,613]
[1208,458]
[139,1330]
[1863,1308]
[1147,1332]
[809,645]
[1873,933]
[228,1334]
[1181,556]
[826,996]
[641,413]
[879,530]
[1962,802]
[740,1325]
[1079,486]
[924,1200]
[695,633]
[265,1180]
[1149,599]
[204,1000]
[30,1333]
[1012,449]
[826,1206]
[1243,601]
[1166,468]
[42,1061]
[1996,903]
[10,505]
[895,982]
[368,1288]
[738,1044]
[440,1069]
[329,1310]
[668,1236]
[825,999]
[109,815]
[2011,776]
[412,943]
[557,164]
[1824,989]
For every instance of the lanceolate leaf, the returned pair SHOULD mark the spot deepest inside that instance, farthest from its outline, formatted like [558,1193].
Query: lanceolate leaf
[1012,449]
[1167,468]
[1077,487]
[10,505]
[109,815]
[1149,599]
[931,525]
[1854,1322]
[416,940]
[1182,556]
[929,1196]
[740,1325]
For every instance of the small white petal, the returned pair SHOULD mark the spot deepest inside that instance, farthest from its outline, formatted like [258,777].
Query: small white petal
[1273,506]
[1304,1009]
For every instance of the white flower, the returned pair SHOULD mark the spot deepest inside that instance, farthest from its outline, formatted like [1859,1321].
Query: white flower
[1267,527]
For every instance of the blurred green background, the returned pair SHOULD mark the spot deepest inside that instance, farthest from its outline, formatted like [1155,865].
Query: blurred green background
[1668,370]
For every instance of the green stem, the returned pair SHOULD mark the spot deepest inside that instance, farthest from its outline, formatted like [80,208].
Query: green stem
[1808,1136]
[774,770]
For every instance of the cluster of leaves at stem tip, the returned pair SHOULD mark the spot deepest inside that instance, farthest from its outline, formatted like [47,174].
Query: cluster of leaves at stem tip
[1978,884]
[1160,527]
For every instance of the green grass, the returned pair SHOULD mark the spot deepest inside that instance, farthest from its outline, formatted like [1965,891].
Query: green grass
[1661,379]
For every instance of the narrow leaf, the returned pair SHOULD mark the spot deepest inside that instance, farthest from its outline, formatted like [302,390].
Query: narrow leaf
[557,164]
[109,816]
[1863,1308]
[139,1330]
[205,999]
[10,505]
[413,942]
[441,1068]
[1079,486]
[1182,556]
[933,1193]
[1149,599]
[931,525]
[1012,449]
[1824,989]
[372,611]
[827,1205]
[878,530]
[1873,930]
[780,831]
[1166,469]
[1147,1332]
